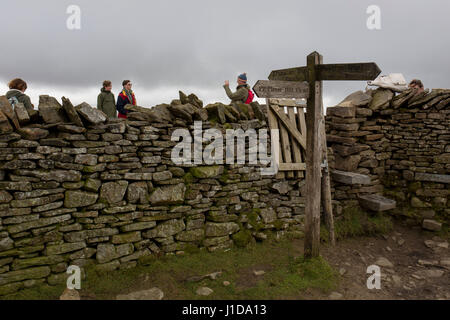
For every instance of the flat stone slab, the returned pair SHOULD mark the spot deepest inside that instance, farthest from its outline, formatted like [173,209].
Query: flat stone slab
[440,178]
[349,177]
[431,225]
[151,294]
[376,202]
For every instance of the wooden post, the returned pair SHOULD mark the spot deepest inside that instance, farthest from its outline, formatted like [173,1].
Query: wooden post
[326,181]
[317,188]
[326,188]
[313,159]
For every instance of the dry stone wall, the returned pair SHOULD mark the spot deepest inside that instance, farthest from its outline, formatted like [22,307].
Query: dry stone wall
[78,189]
[402,143]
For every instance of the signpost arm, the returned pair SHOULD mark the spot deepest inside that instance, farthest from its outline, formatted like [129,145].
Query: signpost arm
[313,159]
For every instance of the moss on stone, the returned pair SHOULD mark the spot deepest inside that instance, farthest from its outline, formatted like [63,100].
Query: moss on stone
[253,216]
[242,238]
[188,178]
[414,186]
[205,172]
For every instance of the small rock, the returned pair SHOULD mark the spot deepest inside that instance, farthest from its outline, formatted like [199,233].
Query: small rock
[335,296]
[342,271]
[383,262]
[151,294]
[69,294]
[415,276]
[204,291]
[397,280]
[389,249]
[433,273]
[401,242]
[226,283]
[443,245]
[445,262]
[407,288]
[214,275]
[431,225]
[427,263]
[259,273]
[429,243]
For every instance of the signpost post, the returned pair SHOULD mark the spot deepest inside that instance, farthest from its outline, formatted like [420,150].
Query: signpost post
[318,188]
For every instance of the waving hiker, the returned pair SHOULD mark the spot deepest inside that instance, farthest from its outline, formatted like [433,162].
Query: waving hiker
[124,98]
[243,92]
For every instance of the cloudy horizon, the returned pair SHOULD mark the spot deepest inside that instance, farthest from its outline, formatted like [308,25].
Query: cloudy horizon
[194,46]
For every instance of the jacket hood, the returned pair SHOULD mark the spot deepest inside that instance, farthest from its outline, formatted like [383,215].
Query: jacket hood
[14,93]
[103,90]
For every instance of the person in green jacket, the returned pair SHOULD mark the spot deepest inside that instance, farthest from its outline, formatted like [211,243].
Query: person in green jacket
[17,93]
[106,101]
[242,93]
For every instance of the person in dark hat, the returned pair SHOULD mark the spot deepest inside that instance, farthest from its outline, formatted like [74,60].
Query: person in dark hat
[243,92]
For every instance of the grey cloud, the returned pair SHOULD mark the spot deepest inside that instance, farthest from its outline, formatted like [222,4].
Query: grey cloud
[200,43]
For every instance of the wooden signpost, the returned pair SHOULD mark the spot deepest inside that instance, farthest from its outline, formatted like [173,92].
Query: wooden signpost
[317,185]
[342,71]
[281,89]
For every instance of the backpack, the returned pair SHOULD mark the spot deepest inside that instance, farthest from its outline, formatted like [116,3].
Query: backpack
[250,97]
[13,101]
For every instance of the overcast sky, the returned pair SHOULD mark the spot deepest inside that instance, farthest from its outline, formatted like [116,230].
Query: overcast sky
[165,46]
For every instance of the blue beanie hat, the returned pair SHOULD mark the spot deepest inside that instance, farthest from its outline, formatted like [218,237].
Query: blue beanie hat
[243,76]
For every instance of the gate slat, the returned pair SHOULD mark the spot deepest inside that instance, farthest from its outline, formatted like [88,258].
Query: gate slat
[302,122]
[288,125]
[273,124]
[297,156]
[285,145]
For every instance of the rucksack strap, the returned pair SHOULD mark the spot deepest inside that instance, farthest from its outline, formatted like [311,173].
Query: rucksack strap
[13,101]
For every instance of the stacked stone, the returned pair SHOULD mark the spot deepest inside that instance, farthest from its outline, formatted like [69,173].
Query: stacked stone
[418,173]
[358,145]
[106,193]
[401,142]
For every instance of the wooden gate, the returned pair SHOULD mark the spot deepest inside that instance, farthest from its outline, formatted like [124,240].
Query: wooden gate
[288,116]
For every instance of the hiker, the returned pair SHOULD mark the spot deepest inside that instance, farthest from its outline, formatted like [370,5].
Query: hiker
[16,94]
[106,101]
[124,98]
[416,84]
[243,92]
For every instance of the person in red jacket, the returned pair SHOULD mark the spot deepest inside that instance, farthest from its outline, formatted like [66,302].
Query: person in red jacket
[124,98]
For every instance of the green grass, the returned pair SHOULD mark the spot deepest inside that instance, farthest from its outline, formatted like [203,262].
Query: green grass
[287,275]
[355,223]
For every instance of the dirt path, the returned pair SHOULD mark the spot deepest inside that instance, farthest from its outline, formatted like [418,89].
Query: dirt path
[420,265]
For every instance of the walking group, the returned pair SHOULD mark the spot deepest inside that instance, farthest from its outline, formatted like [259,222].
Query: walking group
[107,103]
